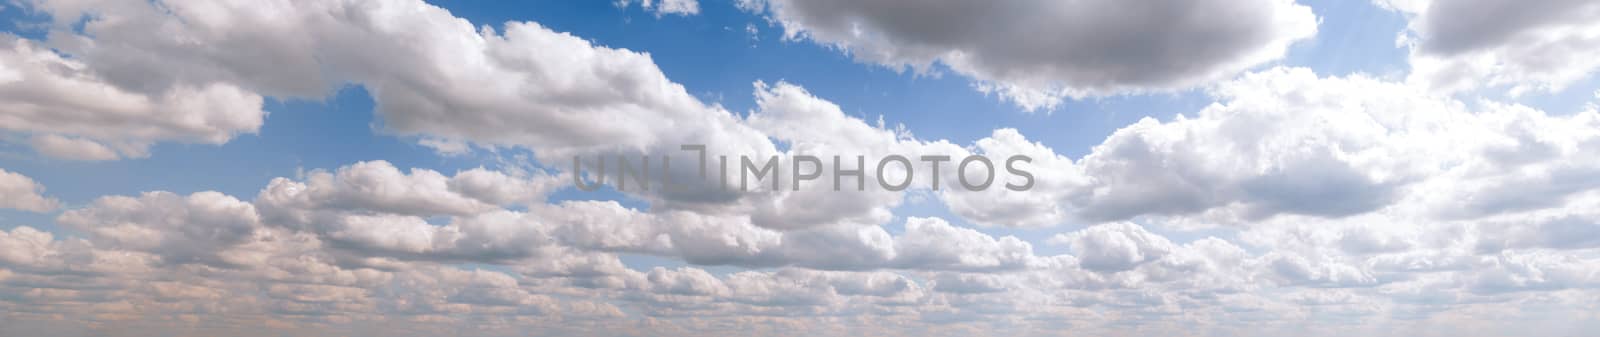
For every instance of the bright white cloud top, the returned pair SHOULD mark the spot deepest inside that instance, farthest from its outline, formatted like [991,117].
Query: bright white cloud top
[1294,203]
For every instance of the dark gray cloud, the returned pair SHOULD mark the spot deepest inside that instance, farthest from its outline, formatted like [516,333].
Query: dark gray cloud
[1460,26]
[1035,53]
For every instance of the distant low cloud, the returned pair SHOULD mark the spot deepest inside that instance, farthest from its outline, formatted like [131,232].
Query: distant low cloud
[18,191]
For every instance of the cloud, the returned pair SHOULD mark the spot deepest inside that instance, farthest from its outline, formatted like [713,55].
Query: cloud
[60,147]
[1459,45]
[74,112]
[179,229]
[17,191]
[1511,272]
[926,244]
[555,266]
[372,209]
[1035,54]
[378,186]
[460,84]
[1055,179]
[1288,142]
[1115,247]
[665,7]
[30,252]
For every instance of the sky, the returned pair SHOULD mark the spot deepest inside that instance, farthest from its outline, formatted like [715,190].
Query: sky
[405,168]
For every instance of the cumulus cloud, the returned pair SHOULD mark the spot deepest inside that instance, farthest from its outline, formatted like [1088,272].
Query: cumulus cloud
[76,113]
[1542,46]
[1054,180]
[460,84]
[372,209]
[1286,142]
[1035,54]
[18,191]
[180,229]
[378,186]
[1115,247]
[61,147]
[666,7]
[358,257]
[927,243]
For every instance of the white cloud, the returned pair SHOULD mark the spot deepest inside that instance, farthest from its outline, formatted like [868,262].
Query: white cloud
[380,187]
[665,7]
[31,252]
[1035,54]
[49,95]
[927,243]
[180,229]
[1281,141]
[372,209]
[17,191]
[1115,247]
[1043,203]
[61,147]
[1458,45]
[509,88]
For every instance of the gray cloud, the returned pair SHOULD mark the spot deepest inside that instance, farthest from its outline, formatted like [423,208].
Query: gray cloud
[1036,53]
[1526,46]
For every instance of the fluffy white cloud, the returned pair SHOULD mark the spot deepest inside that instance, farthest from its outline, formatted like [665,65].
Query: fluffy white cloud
[1281,141]
[50,95]
[1037,53]
[665,7]
[1054,179]
[1525,46]
[927,243]
[180,229]
[362,259]
[833,133]
[527,86]
[1115,247]
[1287,142]
[58,146]
[372,212]
[378,186]
[372,209]
[17,191]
